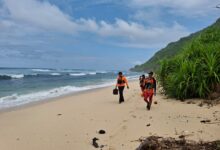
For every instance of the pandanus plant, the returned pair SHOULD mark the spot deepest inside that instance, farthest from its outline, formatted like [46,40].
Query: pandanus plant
[196,71]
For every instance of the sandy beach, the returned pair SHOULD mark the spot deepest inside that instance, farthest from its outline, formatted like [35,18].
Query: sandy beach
[71,122]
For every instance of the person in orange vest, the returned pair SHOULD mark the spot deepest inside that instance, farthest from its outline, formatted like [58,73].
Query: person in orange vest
[150,89]
[121,82]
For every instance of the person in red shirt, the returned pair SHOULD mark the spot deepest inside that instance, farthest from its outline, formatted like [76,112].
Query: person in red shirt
[121,82]
[141,79]
[149,89]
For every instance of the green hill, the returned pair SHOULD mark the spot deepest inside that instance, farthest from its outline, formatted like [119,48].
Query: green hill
[173,49]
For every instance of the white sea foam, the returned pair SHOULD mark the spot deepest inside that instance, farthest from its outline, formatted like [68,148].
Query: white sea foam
[55,74]
[92,73]
[17,100]
[77,74]
[41,70]
[103,72]
[133,77]
[14,76]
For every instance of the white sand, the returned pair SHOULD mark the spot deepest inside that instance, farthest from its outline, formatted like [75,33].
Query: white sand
[39,127]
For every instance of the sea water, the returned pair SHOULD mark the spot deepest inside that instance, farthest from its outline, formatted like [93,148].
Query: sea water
[20,86]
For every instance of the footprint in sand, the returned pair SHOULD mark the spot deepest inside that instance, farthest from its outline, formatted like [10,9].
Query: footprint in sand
[131,112]
[124,127]
[111,148]
[134,116]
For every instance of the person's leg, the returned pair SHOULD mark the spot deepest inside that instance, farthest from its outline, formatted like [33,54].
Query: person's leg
[146,96]
[146,99]
[121,97]
[150,100]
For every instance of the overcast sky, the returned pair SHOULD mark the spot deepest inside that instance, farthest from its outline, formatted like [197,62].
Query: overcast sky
[95,34]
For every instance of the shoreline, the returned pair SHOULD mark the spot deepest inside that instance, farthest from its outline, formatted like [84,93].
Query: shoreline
[48,100]
[71,122]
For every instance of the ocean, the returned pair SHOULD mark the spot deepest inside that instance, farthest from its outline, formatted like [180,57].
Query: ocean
[19,86]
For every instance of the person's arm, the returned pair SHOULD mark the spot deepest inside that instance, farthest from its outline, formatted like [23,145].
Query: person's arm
[155,86]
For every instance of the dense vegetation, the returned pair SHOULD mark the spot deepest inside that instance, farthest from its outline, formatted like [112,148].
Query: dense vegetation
[195,72]
[172,49]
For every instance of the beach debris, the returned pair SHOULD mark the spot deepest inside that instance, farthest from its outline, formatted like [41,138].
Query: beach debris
[214,95]
[59,114]
[18,139]
[182,136]
[102,146]
[191,102]
[94,143]
[205,121]
[155,102]
[217,122]
[148,125]
[102,132]
[200,131]
[201,104]
[141,139]
[169,143]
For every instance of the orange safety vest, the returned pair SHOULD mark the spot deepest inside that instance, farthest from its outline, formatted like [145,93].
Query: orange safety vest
[121,81]
[149,85]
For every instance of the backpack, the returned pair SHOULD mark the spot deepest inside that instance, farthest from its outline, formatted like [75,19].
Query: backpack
[120,80]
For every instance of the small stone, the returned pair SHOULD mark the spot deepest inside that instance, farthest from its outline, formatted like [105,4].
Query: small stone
[102,132]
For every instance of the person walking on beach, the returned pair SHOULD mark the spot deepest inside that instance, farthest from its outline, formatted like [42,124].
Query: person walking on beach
[149,89]
[121,82]
[141,79]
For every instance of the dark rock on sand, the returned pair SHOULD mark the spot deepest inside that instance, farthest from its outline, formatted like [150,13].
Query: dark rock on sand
[102,132]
